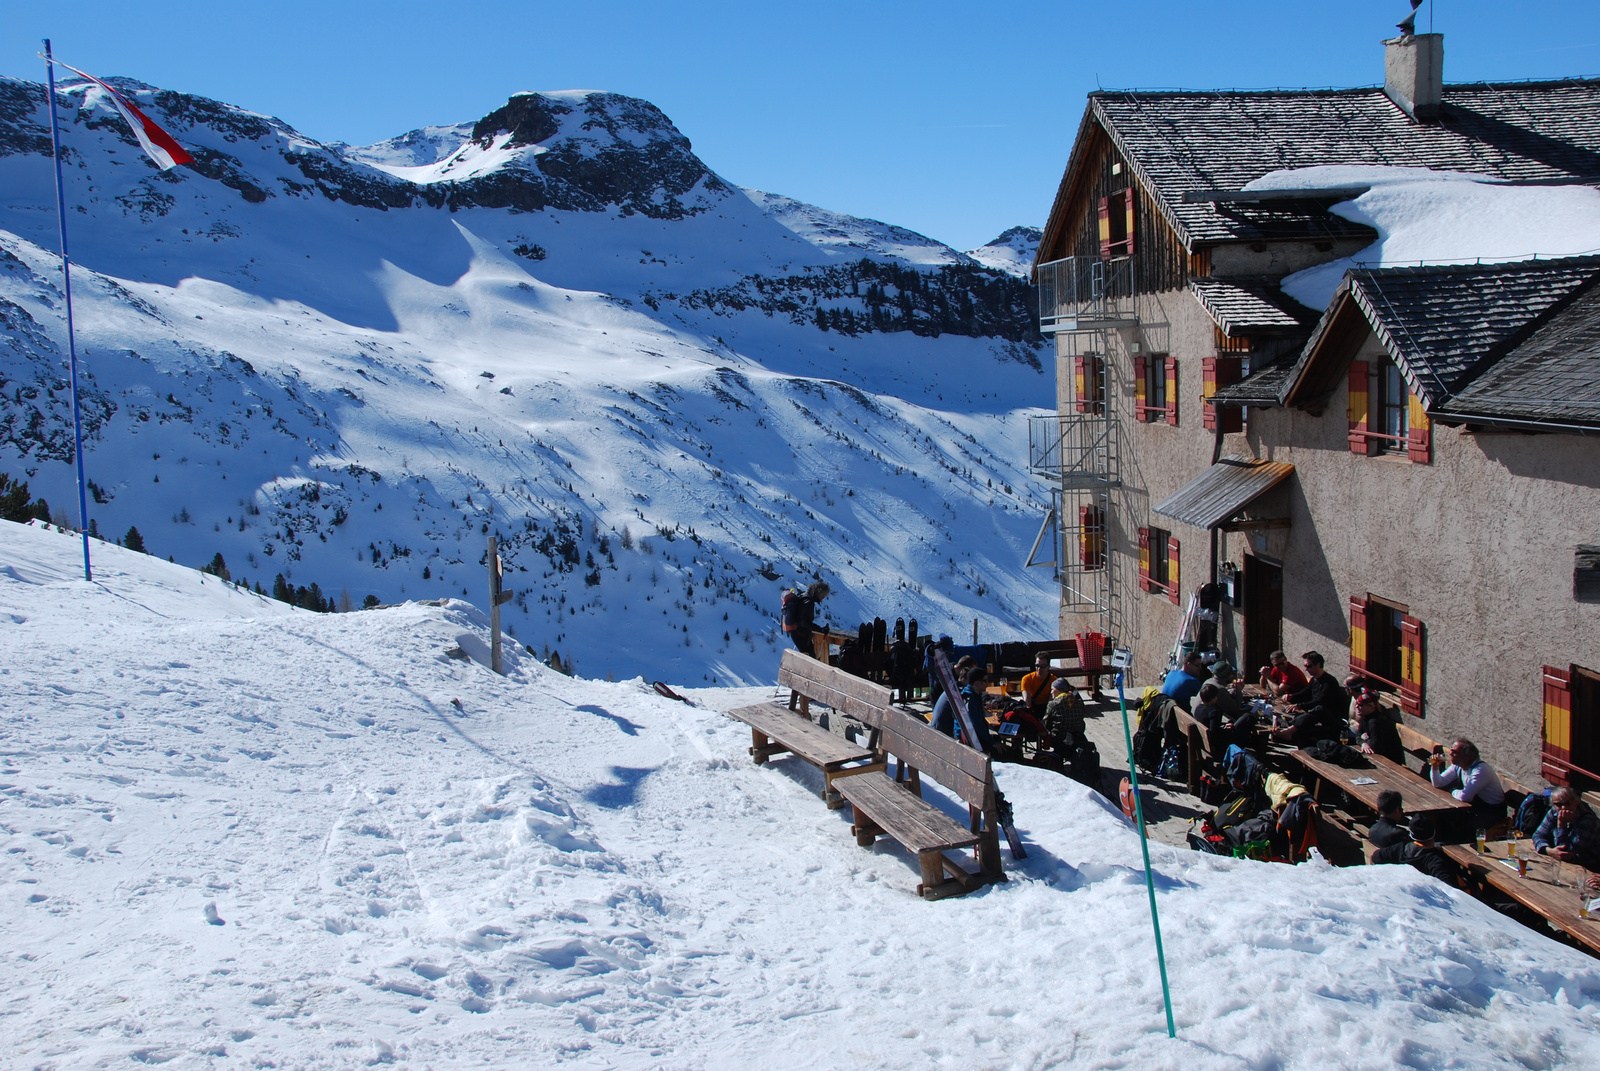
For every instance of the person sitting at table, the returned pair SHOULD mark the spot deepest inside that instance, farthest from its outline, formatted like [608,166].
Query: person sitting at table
[1279,677]
[1036,685]
[1183,684]
[1421,850]
[1391,826]
[1373,730]
[944,711]
[1471,780]
[1063,717]
[1319,708]
[1570,831]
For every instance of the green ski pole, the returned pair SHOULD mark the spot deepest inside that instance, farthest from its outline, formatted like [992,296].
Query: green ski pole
[1144,846]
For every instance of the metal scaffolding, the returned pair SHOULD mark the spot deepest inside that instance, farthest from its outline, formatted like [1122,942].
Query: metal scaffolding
[1083,302]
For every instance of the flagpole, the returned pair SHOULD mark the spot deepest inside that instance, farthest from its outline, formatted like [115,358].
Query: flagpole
[66,280]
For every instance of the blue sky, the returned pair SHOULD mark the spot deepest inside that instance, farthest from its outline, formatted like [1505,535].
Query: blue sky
[954,119]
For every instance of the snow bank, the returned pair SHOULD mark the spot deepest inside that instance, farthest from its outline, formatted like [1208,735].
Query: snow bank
[1442,217]
[413,861]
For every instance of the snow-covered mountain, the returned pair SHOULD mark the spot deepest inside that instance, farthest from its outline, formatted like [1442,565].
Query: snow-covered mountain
[1012,252]
[669,396]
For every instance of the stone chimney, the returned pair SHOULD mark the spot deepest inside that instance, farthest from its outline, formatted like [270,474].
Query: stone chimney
[1413,74]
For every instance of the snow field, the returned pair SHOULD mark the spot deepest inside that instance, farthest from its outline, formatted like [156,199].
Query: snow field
[417,862]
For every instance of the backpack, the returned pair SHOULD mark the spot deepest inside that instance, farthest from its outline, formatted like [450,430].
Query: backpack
[1531,812]
[1174,763]
[1331,751]
[1294,824]
[1241,767]
[1151,740]
[1084,766]
[791,609]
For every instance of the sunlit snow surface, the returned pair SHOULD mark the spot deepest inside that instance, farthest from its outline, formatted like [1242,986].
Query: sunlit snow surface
[355,393]
[416,862]
[1442,217]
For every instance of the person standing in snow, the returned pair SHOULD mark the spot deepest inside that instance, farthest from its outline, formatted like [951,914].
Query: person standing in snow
[800,613]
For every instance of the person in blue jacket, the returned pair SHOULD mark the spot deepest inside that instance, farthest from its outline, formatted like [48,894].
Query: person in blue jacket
[1182,685]
[944,711]
[1570,831]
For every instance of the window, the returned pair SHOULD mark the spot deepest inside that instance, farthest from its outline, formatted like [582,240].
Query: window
[1586,573]
[1384,416]
[1386,644]
[1092,537]
[1158,562]
[1155,389]
[1089,382]
[1571,751]
[1216,373]
[1392,405]
[1116,224]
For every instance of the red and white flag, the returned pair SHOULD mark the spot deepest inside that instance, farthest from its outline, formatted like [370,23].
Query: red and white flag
[157,143]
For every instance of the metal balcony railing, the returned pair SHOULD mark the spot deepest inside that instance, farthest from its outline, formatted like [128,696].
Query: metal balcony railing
[1086,294]
[1077,451]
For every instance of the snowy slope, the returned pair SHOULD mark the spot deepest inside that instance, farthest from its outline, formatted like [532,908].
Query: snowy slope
[416,862]
[555,323]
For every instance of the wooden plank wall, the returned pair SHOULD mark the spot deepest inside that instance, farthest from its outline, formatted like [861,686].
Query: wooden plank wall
[1161,261]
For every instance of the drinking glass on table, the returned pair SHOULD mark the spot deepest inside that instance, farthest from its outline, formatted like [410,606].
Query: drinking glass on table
[1584,883]
[1482,837]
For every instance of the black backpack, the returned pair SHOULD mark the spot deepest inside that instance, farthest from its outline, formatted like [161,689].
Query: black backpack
[1531,811]
[1084,765]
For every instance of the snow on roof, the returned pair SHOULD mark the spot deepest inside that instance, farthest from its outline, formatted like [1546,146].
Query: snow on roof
[1442,217]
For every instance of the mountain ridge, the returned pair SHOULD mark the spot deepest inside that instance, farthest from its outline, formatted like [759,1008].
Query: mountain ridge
[321,370]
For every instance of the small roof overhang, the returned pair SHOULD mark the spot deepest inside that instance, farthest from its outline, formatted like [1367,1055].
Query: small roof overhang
[1220,493]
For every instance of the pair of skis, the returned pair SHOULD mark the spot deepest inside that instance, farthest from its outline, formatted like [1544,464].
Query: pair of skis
[1003,817]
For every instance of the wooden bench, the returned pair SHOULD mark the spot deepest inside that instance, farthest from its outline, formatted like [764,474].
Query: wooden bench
[894,805]
[776,729]
[1198,743]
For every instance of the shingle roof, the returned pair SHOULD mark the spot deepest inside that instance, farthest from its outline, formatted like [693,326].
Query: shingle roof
[1221,491]
[1553,376]
[1188,141]
[1255,305]
[1442,323]
[1520,340]
[1262,387]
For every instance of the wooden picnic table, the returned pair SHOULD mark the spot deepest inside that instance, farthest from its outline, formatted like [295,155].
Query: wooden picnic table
[1418,795]
[1538,891]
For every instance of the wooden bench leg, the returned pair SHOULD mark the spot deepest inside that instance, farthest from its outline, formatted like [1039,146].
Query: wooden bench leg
[932,874]
[865,829]
[762,747]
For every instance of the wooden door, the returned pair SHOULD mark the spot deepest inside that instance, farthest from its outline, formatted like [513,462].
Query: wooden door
[1263,614]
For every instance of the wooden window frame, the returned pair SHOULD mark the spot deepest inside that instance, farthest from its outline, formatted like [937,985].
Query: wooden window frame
[1570,737]
[1117,223]
[1159,562]
[1092,537]
[1387,645]
[1157,370]
[1089,383]
[1216,373]
[1373,401]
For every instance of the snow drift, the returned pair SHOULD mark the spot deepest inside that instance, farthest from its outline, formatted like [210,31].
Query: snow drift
[237,832]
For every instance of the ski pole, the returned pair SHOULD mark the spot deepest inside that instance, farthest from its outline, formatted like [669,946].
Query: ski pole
[1144,846]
